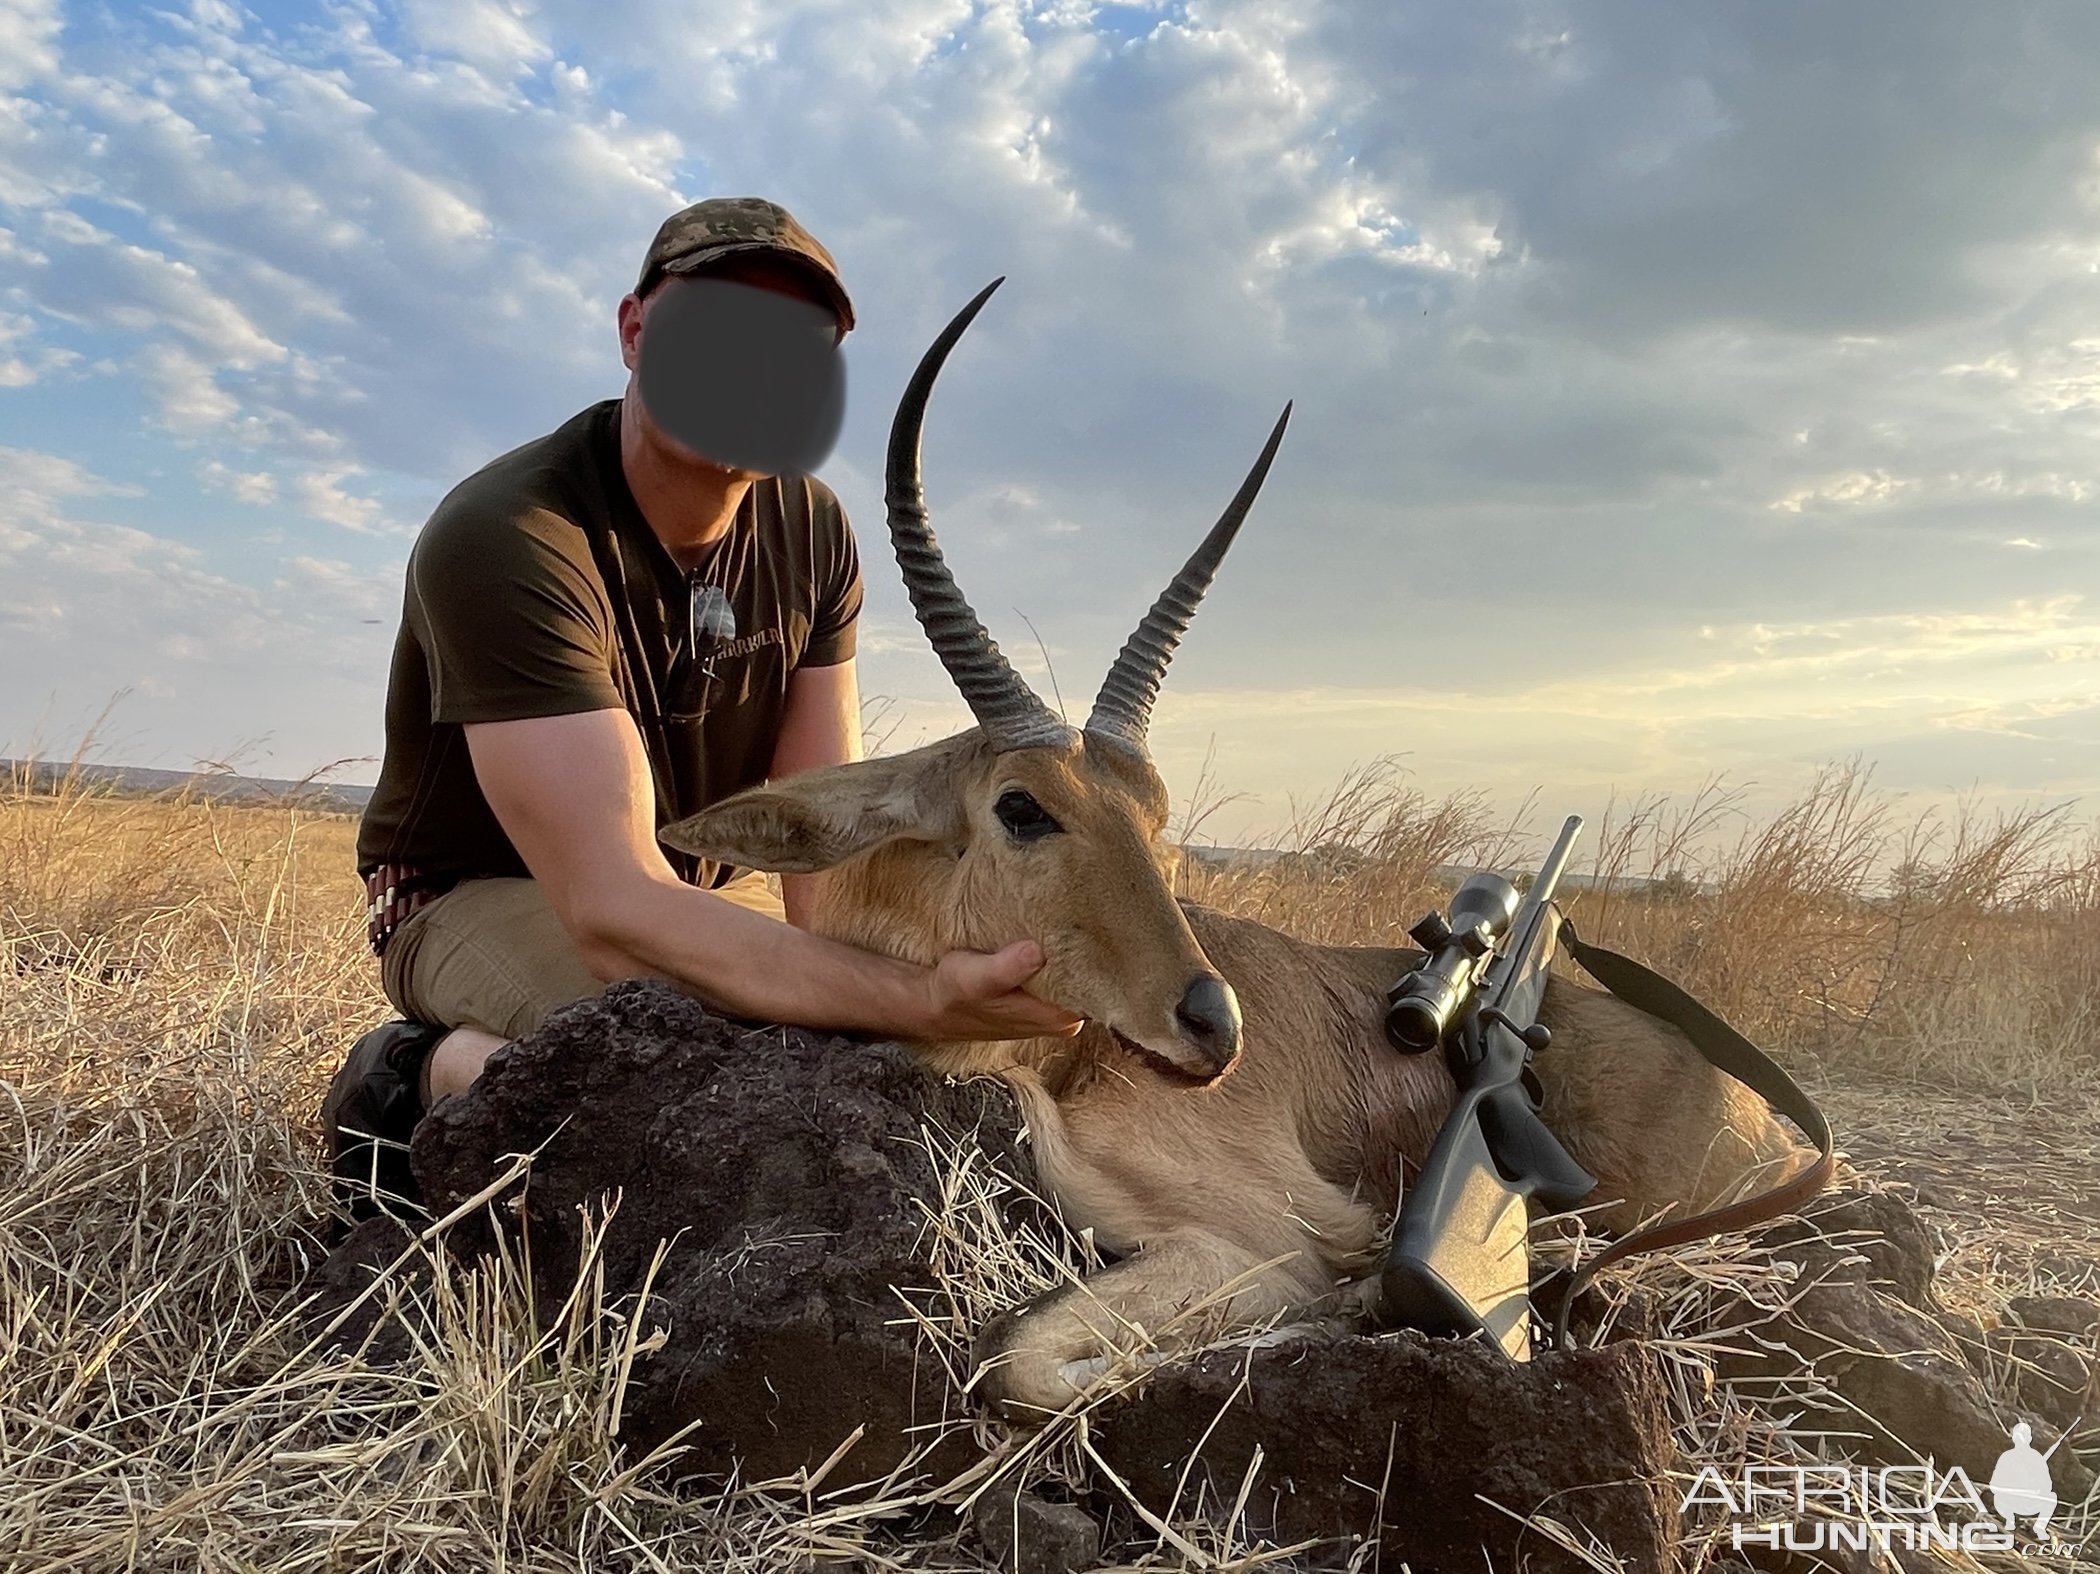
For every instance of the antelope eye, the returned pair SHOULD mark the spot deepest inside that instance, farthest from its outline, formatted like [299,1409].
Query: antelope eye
[1025,819]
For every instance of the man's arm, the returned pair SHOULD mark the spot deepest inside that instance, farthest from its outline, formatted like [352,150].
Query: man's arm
[820,726]
[573,794]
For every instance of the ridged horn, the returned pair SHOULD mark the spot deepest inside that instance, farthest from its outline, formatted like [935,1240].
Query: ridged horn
[1005,707]
[1123,709]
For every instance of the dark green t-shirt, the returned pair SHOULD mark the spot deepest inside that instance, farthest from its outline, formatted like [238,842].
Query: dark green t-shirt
[538,589]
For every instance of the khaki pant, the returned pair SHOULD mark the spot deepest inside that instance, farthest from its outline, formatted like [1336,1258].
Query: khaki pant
[492,954]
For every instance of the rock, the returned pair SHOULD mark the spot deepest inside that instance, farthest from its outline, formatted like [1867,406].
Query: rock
[2043,1360]
[1906,1374]
[1901,1375]
[1401,1437]
[1024,1534]
[1878,1227]
[788,1170]
[2071,1316]
[343,1277]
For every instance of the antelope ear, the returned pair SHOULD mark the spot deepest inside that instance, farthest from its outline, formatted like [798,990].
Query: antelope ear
[823,817]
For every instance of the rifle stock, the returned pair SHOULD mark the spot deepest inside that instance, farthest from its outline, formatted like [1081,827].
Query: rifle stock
[1460,1263]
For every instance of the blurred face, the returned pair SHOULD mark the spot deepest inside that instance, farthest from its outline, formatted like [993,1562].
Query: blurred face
[738,368]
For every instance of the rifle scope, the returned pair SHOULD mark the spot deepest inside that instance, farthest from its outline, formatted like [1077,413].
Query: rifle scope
[1419,1008]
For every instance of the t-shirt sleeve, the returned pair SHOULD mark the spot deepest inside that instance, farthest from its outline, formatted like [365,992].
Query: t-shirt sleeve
[511,617]
[835,619]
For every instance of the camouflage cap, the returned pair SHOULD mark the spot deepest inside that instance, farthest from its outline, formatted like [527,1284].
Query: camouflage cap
[695,239]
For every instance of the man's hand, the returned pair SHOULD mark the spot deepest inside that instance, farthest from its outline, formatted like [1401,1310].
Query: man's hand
[978,994]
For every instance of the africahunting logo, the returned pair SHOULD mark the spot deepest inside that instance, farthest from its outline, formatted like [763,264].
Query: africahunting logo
[1834,1508]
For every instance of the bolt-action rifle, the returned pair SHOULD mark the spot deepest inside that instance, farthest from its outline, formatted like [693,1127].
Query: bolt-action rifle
[1458,1263]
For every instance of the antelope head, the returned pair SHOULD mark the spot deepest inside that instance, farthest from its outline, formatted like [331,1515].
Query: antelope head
[1023,827]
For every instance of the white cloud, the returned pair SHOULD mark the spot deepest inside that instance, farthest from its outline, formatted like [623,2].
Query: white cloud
[22,360]
[382,214]
[186,390]
[322,495]
[257,487]
[92,610]
[498,39]
[28,40]
[34,484]
[1606,323]
[1857,489]
[2049,379]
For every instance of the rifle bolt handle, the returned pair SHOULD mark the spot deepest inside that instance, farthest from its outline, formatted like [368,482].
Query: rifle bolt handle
[1536,1037]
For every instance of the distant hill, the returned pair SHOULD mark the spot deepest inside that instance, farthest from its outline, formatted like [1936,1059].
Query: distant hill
[1343,860]
[346,798]
[1225,858]
[133,781]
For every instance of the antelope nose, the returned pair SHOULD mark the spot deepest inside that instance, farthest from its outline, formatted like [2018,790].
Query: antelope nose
[1209,1018]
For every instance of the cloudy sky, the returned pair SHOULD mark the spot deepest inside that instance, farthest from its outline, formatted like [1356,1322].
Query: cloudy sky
[1680,389]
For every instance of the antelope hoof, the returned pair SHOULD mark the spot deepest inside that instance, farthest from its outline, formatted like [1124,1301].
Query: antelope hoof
[1022,1386]
[1027,1388]
[1026,1384]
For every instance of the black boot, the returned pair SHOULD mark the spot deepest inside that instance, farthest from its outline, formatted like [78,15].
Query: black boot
[370,1113]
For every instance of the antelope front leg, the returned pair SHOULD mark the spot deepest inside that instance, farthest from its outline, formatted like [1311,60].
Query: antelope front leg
[1177,1292]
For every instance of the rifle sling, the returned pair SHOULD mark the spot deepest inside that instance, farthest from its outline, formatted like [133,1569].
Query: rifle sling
[1728,1050]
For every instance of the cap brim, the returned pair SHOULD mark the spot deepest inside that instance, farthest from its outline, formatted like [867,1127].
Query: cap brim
[706,260]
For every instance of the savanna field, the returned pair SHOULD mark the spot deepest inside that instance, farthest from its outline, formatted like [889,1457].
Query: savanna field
[179,978]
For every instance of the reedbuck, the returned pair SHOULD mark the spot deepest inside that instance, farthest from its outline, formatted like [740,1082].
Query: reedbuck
[1230,1122]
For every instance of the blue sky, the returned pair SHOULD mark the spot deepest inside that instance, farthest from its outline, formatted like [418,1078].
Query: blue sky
[1679,389]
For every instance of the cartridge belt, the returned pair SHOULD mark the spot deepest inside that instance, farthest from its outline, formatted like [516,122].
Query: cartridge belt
[394,893]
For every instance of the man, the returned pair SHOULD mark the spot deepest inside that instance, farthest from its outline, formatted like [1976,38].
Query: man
[606,630]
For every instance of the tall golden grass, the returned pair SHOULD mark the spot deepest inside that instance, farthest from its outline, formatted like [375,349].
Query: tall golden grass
[1956,944]
[178,979]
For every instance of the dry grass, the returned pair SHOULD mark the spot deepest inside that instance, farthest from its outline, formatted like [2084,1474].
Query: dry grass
[178,979]
[1957,947]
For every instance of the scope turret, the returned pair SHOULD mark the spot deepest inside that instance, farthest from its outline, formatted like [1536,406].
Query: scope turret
[1420,1006]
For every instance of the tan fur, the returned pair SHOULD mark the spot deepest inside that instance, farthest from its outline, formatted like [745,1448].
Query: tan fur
[1249,1198]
